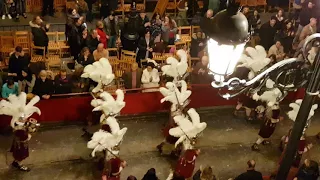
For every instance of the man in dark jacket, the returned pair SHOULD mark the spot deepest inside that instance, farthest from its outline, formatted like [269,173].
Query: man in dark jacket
[251,173]
[62,82]
[47,7]
[92,41]
[76,38]
[267,33]
[17,62]
[132,78]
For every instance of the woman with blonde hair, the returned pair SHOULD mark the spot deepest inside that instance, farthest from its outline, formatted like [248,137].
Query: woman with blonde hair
[204,173]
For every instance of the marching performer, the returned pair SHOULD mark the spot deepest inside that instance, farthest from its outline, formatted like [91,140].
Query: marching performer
[186,164]
[303,147]
[22,125]
[272,117]
[101,73]
[179,100]
[250,63]
[113,168]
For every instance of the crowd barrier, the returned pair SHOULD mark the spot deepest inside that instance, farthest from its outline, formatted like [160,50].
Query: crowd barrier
[76,107]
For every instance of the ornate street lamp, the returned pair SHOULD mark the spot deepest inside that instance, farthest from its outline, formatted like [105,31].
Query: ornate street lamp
[228,33]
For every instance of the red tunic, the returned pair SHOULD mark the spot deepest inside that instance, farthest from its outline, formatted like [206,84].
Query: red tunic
[171,124]
[115,169]
[103,37]
[267,128]
[186,164]
[19,148]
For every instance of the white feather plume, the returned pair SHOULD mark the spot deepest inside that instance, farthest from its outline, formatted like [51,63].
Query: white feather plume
[255,60]
[17,106]
[186,127]
[108,104]
[174,68]
[172,94]
[102,140]
[100,72]
[295,109]
[270,96]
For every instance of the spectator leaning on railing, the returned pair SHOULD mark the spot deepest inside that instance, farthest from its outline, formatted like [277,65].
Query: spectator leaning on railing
[132,78]
[9,88]
[62,82]
[43,87]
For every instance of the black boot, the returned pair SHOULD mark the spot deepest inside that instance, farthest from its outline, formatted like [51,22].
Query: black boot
[20,167]
[255,147]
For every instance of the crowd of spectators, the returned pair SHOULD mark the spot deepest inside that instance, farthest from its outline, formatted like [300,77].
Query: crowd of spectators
[309,170]
[282,36]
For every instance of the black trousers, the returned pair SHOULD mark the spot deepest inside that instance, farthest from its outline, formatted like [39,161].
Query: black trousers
[47,7]
[21,6]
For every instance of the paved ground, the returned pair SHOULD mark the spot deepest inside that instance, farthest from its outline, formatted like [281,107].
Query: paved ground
[60,152]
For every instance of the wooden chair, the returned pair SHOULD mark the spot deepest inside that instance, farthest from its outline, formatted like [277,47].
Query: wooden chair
[143,63]
[123,65]
[252,3]
[7,44]
[113,60]
[159,58]
[172,5]
[53,61]
[125,53]
[37,5]
[38,54]
[60,5]
[195,29]
[22,38]
[185,33]
[264,4]
[6,33]
[180,44]
[64,47]
[141,5]
[53,46]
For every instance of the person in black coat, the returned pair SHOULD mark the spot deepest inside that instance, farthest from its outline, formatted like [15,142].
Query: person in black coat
[267,33]
[150,175]
[17,62]
[62,82]
[144,23]
[39,31]
[85,57]
[308,171]
[145,46]
[47,7]
[92,41]
[129,35]
[43,86]
[76,37]
[251,173]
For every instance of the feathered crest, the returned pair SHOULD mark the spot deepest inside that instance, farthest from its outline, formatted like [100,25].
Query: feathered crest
[100,72]
[255,59]
[187,129]
[17,106]
[172,94]
[295,109]
[271,96]
[174,68]
[108,104]
[102,140]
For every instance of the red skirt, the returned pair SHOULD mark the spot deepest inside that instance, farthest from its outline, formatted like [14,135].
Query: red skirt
[267,129]
[20,150]
[185,169]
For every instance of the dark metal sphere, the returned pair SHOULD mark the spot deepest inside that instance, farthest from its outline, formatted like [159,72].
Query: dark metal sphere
[227,27]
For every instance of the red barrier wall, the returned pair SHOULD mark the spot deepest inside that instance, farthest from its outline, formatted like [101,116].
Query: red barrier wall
[77,108]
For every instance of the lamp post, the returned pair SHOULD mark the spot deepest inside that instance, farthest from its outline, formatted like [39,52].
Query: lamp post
[228,33]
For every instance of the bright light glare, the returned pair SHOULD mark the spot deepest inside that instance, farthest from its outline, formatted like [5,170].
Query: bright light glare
[223,58]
